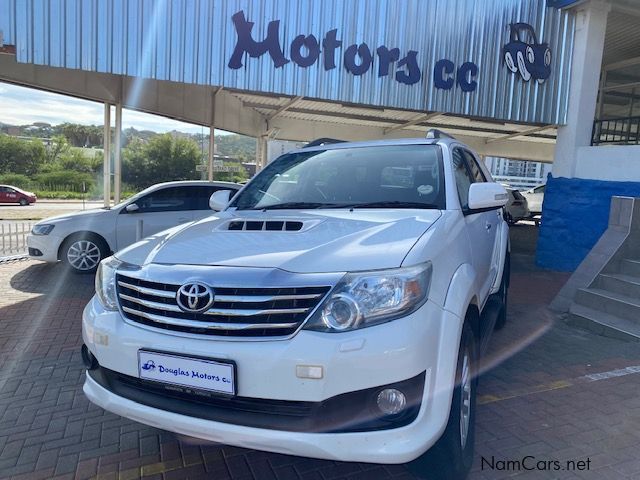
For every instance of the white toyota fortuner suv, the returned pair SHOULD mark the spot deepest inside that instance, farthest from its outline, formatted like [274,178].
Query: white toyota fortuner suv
[336,308]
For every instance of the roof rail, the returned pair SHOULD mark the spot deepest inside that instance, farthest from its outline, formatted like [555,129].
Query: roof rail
[322,141]
[435,133]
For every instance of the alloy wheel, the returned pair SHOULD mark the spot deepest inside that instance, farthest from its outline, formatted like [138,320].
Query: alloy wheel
[83,255]
[465,399]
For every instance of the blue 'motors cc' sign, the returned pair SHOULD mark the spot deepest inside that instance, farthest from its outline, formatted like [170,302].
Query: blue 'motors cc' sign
[358,59]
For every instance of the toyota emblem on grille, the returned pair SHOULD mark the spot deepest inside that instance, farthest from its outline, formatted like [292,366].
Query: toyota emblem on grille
[195,297]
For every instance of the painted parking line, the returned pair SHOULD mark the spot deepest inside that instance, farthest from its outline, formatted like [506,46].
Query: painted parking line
[547,387]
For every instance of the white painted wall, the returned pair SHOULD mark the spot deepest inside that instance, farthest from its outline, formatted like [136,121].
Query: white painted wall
[618,163]
[588,48]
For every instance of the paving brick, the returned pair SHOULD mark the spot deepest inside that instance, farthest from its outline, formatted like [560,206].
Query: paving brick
[66,464]
[29,455]
[47,459]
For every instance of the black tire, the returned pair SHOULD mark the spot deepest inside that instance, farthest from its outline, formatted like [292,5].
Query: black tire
[94,247]
[503,294]
[451,458]
[24,202]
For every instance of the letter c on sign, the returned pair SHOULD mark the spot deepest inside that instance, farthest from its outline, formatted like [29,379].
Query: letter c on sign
[466,74]
[443,67]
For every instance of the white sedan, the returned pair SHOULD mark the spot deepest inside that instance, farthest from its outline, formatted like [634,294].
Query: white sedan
[535,197]
[83,239]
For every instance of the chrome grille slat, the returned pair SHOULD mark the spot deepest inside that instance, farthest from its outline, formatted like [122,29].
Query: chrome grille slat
[230,312]
[263,298]
[222,298]
[253,311]
[148,291]
[208,325]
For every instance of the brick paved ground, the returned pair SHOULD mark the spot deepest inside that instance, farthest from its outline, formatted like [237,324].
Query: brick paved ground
[49,430]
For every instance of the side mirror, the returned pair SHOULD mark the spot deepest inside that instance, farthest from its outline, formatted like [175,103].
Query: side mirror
[487,195]
[219,200]
[132,208]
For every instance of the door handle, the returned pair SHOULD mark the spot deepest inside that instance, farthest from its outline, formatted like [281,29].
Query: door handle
[488,226]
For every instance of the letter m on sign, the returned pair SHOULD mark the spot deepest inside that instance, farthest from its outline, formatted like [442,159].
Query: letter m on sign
[246,43]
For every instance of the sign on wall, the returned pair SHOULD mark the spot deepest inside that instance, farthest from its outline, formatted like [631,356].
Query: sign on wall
[356,59]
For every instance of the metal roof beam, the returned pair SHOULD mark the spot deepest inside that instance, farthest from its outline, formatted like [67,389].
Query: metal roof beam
[631,11]
[519,134]
[410,123]
[623,86]
[630,62]
[285,107]
[378,119]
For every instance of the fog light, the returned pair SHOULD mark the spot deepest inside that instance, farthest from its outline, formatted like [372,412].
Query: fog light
[391,401]
[90,362]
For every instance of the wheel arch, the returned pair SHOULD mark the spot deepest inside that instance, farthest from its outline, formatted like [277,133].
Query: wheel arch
[81,234]
[462,292]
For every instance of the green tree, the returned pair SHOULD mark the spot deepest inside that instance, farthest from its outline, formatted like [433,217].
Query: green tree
[58,146]
[75,160]
[20,156]
[81,135]
[161,159]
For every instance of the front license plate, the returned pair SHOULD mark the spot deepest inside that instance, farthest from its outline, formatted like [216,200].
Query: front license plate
[202,374]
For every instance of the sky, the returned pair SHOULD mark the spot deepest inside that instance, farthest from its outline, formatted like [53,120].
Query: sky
[23,106]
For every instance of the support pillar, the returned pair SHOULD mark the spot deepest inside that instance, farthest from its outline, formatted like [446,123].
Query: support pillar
[106,144]
[591,26]
[117,156]
[261,152]
[212,151]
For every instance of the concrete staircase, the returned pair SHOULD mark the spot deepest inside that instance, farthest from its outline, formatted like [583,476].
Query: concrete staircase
[609,304]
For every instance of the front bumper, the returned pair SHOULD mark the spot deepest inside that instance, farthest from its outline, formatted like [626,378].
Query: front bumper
[423,342]
[48,245]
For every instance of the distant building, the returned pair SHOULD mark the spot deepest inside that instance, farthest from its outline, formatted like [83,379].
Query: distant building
[275,148]
[250,168]
[519,174]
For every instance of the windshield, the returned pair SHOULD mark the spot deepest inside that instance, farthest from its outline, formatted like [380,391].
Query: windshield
[395,176]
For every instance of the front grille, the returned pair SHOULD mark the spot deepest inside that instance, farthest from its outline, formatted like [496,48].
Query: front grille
[236,312]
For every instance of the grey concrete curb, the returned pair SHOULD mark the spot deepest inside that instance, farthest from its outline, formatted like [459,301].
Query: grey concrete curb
[13,258]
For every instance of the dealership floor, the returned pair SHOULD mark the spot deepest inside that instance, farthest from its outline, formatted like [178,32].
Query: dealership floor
[538,402]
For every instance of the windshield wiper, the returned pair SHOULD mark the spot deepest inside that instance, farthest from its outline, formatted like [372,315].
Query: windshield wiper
[290,205]
[389,204]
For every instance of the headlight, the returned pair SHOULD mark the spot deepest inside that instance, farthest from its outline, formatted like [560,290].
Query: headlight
[106,282]
[42,229]
[364,299]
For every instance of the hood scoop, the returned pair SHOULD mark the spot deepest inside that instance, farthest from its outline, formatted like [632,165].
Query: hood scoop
[271,225]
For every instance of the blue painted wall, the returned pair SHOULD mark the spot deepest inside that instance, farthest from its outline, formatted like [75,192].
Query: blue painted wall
[575,215]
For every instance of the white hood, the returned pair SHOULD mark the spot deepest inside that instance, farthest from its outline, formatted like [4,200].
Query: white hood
[84,215]
[332,240]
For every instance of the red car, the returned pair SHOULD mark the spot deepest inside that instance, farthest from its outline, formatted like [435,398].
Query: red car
[11,194]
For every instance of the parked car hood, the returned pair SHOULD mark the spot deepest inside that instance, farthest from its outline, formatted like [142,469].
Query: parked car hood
[85,215]
[330,240]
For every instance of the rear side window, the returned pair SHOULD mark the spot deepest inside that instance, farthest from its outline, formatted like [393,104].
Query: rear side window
[172,199]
